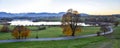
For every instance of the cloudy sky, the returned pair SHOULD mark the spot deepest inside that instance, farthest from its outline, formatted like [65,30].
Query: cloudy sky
[83,6]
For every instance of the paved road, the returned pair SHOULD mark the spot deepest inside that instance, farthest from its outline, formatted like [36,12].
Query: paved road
[58,38]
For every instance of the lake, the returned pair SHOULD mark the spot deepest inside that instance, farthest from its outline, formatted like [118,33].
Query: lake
[28,23]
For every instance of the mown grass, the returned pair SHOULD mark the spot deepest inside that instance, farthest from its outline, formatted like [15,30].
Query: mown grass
[48,32]
[110,41]
[116,37]
[76,43]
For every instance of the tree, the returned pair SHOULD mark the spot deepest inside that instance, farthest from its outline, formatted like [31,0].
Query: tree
[116,23]
[20,32]
[104,28]
[70,23]
[5,27]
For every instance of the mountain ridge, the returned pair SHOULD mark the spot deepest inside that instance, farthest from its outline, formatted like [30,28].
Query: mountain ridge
[42,14]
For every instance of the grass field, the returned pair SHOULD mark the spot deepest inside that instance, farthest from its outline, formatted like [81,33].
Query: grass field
[108,41]
[76,43]
[49,32]
[113,41]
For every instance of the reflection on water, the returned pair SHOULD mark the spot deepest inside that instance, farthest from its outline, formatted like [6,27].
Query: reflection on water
[28,22]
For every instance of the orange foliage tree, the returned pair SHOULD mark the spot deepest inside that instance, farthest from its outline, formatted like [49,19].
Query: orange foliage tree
[70,23]
[20,32]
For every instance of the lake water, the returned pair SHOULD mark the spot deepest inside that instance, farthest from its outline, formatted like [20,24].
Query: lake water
[27,23]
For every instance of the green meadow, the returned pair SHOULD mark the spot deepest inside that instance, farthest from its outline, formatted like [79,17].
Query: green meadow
[49,32]
[107,41]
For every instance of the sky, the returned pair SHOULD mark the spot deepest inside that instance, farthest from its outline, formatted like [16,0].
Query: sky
[96,7]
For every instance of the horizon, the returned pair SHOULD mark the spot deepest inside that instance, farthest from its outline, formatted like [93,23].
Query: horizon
[59,12]
[93,7]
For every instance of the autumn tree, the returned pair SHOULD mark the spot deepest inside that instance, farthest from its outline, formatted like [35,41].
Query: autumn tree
[20,32]
[5,27]
[70,23]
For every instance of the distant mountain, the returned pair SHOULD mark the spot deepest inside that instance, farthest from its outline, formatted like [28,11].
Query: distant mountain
[4,14]
[43,14]
[117,15]
[83,14]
